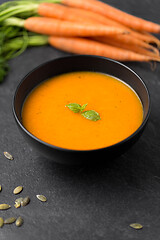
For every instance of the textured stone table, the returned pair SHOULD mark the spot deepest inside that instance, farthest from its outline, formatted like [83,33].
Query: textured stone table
[84,203]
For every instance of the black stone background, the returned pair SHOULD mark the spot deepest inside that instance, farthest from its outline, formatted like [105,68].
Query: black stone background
[89,203]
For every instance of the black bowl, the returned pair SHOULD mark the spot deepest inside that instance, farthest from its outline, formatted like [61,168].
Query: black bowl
[80,63]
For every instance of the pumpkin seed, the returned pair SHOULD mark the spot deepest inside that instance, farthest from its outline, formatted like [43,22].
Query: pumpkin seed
[19,200]
[19,222]
[1,222]
[17,205]
[42,198]
[25,201]
[9,220]
[8,155]
[18,190]
[4,206]
[136,226]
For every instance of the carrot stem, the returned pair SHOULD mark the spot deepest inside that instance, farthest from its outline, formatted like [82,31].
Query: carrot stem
[17,43]
[32,9]
[13,21]
[16,8]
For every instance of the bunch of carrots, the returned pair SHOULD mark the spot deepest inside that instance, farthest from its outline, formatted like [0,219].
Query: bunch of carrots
[80,27]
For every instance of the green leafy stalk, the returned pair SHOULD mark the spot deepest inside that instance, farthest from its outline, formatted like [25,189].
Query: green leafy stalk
[6,33]
[31,41]
[14,40]
[4,68]
[11,46]
[15,47]
[89,114]
[14,21]
[9,32]
[20,8]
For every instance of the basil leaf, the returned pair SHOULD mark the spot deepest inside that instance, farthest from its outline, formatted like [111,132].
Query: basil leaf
[76,108]
[84,106]
[91,115]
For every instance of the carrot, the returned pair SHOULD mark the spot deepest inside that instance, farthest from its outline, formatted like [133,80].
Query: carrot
[14,46]
[28,8]
[92,16]
[115,14]
[148,37]
[133,48]
[62,12]
[85,46]
[126,41]
[50,26]
[53,10]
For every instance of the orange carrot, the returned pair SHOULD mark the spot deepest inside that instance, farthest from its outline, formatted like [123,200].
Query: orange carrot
[148,37]
[50,26]
[115,14]
[130,47]
[127,41]
[62,12]
[53,10]
[73,14]
[93,16]
[85,46]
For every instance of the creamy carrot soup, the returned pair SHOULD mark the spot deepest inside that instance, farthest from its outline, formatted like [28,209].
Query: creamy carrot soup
[46,116]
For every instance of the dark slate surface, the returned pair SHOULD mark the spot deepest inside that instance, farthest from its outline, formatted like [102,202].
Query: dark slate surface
[86,203]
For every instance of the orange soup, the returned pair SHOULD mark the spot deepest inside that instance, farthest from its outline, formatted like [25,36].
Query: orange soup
[47,117]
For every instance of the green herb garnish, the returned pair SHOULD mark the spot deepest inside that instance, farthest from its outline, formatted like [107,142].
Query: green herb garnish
[89,114]
[75,107]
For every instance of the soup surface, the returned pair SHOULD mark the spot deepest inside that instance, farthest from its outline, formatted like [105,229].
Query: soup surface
[46,116]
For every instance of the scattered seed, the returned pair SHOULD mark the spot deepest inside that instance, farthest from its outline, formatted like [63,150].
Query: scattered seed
[8,155]
[19,222]
[19,200]
[0,188]
[4,206]
[42,198]
[18,190]
[1,222]
[9,220]
[136,226]
[17,205]
[25,201]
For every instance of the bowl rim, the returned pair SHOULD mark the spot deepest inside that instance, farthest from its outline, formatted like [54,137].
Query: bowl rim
[87,150]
